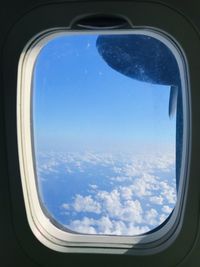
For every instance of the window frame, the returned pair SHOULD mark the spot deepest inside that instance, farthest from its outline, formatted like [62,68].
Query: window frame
[36,216]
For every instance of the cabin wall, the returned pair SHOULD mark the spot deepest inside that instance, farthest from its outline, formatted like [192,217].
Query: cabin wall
[11,249]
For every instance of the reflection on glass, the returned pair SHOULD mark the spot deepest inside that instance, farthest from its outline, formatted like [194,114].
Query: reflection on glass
[105,113]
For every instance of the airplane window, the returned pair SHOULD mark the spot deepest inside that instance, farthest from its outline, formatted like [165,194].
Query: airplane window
[107,132]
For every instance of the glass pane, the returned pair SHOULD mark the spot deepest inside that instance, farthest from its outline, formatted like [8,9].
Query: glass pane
[107,130]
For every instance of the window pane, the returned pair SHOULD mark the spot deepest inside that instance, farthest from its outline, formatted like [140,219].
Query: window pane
[107,130]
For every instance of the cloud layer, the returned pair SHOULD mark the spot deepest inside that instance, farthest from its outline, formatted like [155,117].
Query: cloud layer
[117,194]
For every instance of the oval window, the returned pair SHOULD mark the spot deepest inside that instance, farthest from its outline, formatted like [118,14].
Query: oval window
[107,131]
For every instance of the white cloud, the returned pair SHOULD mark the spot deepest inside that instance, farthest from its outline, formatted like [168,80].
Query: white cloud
[151,217]
[167,209]
[65,206]
[156,200]
[132,211]
[116,204]
[120,178]
[110,202]
[168,192]
[93,186]
[141,188]
[126,192]
[83,226]
[106,226]
[86,204]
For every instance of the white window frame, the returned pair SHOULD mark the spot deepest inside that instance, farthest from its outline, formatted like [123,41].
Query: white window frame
[42,227]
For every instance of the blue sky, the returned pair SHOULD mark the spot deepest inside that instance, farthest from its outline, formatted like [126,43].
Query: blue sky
[80,103]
